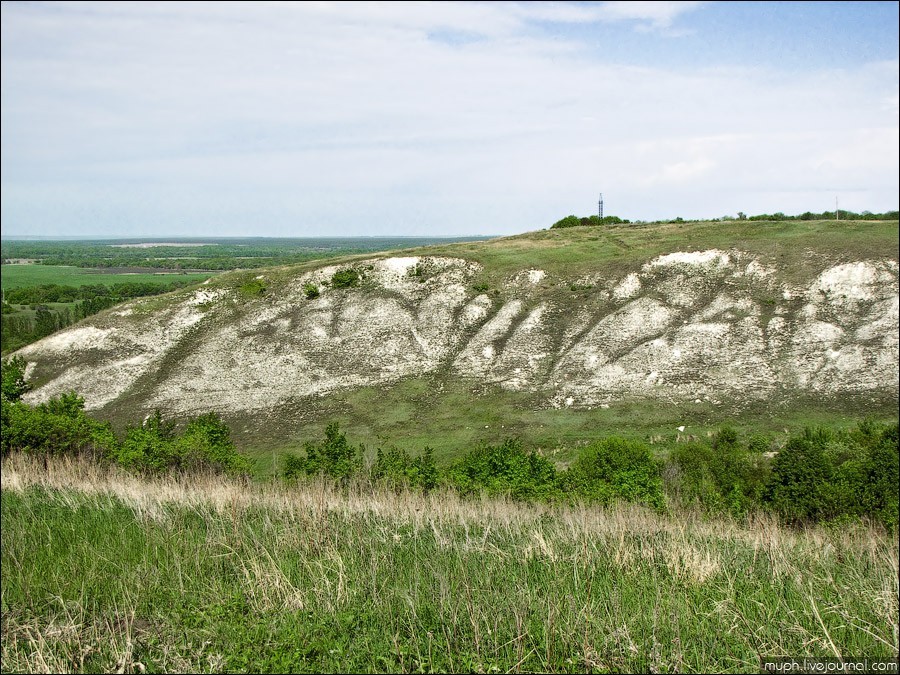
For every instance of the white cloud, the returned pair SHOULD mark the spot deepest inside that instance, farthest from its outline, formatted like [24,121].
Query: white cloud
[360,115]
[658,14]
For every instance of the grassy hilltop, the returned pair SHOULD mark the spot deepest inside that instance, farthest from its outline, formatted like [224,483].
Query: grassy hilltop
[576,271]
[451,414]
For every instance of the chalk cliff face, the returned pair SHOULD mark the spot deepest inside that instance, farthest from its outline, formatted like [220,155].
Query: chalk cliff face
[686,326]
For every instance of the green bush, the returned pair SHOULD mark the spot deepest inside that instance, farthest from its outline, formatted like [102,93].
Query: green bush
[333,457]
[57,427]
[346,278]
[505,469]
[723,477]
[395,468]
[13,373]
[148,446]
[293,466]
[568,221]
[311,291]
[253,288]
[594,220]
[801,478]
[391,466]
[205,444]
[872,477]
[615,468]
[822,475]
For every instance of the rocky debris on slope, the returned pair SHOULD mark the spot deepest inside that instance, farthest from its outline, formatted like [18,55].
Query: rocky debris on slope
[686,326]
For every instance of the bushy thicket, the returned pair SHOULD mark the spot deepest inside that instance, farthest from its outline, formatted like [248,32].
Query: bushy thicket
[505,469]
[334,457]
[575,221]
[616,469]
[722,477]
[60,426]
[396,468]
[817,476]
[825,475]
[608,470]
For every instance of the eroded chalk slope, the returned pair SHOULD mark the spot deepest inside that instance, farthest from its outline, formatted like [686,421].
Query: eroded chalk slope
[686,326]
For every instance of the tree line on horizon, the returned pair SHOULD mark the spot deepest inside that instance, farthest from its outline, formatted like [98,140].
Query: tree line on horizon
[575,221]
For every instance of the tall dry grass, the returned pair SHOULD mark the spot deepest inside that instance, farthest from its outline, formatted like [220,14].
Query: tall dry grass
[106,570]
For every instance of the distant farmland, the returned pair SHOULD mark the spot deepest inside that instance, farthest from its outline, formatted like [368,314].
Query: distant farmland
[19,276]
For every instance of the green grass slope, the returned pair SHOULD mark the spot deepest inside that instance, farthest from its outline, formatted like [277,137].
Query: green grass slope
[106,572]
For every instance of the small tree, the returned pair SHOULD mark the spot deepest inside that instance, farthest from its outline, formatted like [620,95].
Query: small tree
[14,384]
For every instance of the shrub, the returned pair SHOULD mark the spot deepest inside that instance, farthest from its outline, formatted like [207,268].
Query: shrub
[615,468]
[346,278]
[568,221]
[876,491]
[333,457]
[57,427]
[822,475]
[721,478]
[801,478]
[395,468]
[391,466]
[206,444]
[294,465]
[148,446]
[505,469]
[13,373]
[311,291]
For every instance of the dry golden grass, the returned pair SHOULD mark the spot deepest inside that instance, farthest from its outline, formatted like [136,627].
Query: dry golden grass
[421,582]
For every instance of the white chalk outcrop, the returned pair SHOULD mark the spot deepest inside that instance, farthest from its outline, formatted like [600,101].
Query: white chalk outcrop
[685,326]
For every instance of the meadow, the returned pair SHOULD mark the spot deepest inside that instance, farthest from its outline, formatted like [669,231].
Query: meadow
[116,572]
[22,276]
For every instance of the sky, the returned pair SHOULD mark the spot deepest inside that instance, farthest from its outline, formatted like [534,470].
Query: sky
[144,119]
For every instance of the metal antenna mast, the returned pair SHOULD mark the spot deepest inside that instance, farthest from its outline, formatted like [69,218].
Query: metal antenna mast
[601,206]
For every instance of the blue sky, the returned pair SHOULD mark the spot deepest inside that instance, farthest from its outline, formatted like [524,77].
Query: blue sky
[283,119]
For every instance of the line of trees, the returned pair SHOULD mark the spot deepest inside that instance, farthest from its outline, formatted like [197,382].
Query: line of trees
[817,476]
[825,215]
[575,221]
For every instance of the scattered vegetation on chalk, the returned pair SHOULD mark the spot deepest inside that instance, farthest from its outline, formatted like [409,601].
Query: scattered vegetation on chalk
[253,288]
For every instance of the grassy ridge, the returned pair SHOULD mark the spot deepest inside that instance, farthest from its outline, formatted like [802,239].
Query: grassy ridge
[451,414]
[615,249]
[103,571]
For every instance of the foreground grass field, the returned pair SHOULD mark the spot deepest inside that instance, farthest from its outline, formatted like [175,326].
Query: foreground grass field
[103,571]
